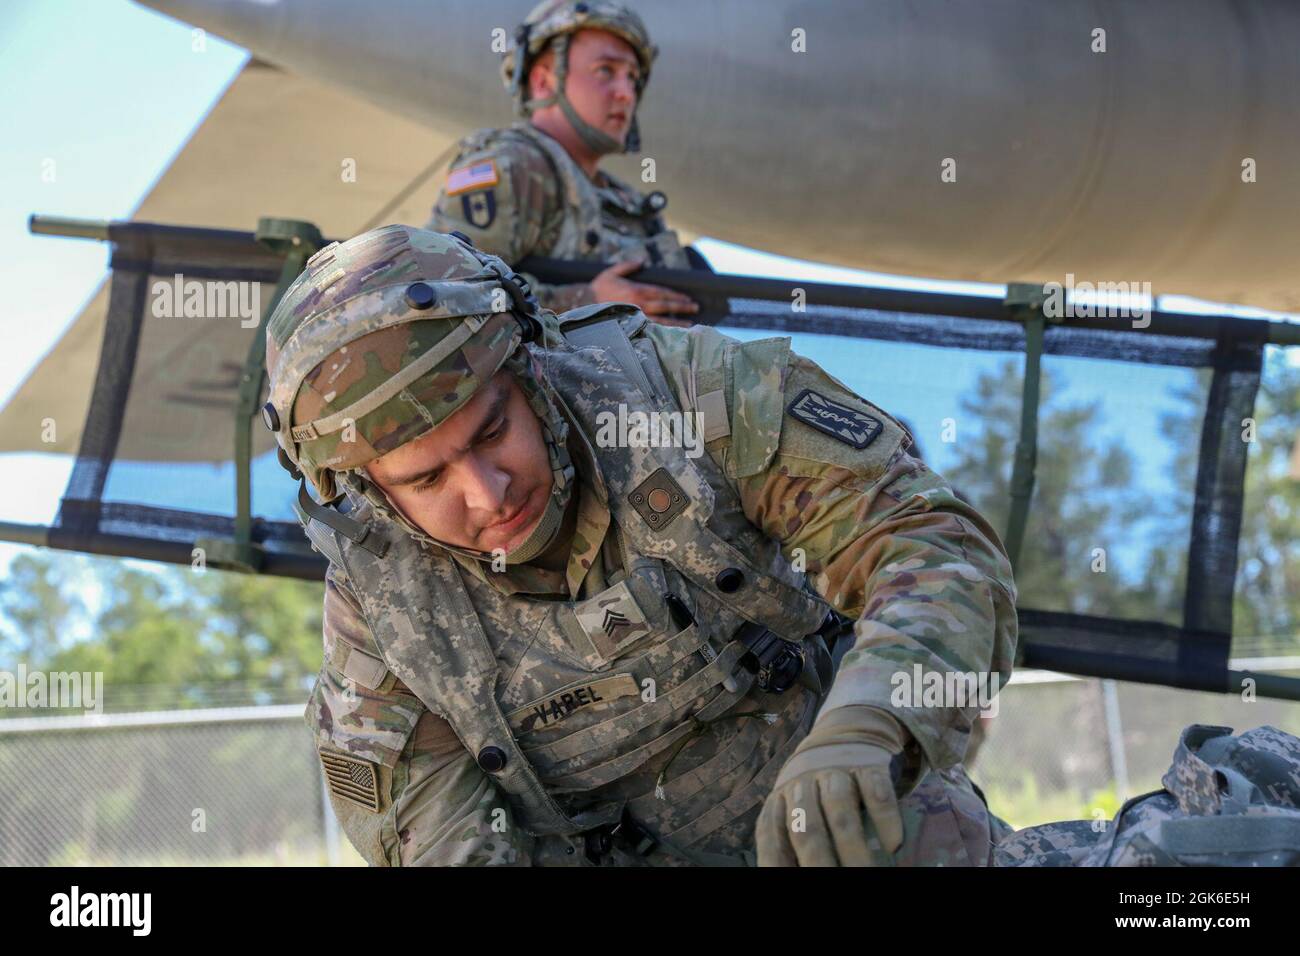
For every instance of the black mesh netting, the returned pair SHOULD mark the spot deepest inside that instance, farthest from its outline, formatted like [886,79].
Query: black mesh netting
[1131,548]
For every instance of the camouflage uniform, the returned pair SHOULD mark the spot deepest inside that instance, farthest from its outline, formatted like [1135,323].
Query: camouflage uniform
[516,192]
[467,716]
[1226,801]
[534,200]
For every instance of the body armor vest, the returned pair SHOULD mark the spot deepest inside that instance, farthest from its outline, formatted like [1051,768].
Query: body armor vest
[575,708]
[613,223]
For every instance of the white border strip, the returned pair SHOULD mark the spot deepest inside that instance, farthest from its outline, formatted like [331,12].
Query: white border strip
[156,718]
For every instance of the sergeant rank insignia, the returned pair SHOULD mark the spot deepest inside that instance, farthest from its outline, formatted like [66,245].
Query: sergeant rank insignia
[612,619]
[835,419]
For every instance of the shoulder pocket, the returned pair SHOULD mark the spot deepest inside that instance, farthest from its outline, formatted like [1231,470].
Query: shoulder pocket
[755,374]
[347,717]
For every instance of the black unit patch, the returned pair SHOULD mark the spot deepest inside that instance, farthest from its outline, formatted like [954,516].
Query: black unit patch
[480,207]
[835,419]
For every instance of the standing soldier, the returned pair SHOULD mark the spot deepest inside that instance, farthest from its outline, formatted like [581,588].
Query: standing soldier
[575,612]
[576,73]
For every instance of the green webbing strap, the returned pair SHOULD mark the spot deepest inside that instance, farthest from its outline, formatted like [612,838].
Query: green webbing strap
[609,335]
[297,242]
[1229,835]
[1024,302]
[354,531]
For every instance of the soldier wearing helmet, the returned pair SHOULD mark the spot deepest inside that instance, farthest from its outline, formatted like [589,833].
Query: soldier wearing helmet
[576,73]
[552,641]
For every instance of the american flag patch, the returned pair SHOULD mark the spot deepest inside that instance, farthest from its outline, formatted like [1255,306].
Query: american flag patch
[351,779]
[478,175]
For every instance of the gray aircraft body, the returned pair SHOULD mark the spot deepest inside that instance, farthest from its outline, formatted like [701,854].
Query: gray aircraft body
[1150,142]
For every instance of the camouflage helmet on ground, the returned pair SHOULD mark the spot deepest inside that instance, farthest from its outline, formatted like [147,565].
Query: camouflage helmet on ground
[553,22]
[382,338]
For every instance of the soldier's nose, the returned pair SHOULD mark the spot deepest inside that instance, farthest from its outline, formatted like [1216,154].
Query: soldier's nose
[625,90]
[484,487]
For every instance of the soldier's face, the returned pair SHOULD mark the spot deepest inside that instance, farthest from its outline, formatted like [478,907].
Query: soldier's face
[485,463]
[601,85]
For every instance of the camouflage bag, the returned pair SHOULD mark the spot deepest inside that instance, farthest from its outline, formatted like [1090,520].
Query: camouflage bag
[1226,801]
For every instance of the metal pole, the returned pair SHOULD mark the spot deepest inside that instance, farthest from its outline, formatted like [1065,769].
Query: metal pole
[702,283]
[298,563]
[1115,738]
[67,226]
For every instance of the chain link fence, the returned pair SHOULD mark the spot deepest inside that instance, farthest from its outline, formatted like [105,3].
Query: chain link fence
[211,787]
[242,785]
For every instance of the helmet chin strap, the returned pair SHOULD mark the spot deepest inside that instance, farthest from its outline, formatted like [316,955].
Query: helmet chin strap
[597,141]
[543,535]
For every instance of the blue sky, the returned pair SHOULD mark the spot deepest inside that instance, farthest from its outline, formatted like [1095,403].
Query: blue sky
[102,94]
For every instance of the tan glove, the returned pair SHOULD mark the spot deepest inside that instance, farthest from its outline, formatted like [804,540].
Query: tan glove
[842,766]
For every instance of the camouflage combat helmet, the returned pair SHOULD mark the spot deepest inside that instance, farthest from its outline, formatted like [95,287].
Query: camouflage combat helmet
[382,338]
[554,22]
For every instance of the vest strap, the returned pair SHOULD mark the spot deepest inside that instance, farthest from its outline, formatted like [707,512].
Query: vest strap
[664,705]
[776,604]
[1229,835]
[624,764]
[661,658]
[354,531]
[583,213]
[609,335]
[749,795]
[692,781]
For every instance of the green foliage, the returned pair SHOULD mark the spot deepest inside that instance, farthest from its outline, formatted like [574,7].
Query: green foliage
[1267,608]
[40,603]
[1084,499]
[164,636]
[1026,804]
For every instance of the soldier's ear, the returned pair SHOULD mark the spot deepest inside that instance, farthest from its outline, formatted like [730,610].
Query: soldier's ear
[541,76]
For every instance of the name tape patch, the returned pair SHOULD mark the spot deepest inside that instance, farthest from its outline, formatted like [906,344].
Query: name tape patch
[835,419]
[549,711]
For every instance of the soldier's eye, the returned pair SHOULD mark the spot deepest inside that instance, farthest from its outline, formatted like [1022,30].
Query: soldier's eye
[431,480]
[428,483]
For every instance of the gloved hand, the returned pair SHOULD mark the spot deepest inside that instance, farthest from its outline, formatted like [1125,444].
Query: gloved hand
[840,768]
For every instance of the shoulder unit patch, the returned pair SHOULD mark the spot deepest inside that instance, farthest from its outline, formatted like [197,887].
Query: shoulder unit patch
[480,208]
[835,419]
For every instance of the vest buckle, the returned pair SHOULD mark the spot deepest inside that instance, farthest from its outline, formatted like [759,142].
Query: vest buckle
[777,662]
[780,664]
[627,834]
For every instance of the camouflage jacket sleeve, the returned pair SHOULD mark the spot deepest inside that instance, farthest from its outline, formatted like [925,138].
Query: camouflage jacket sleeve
[404,789]
[882,536]
[506,198]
